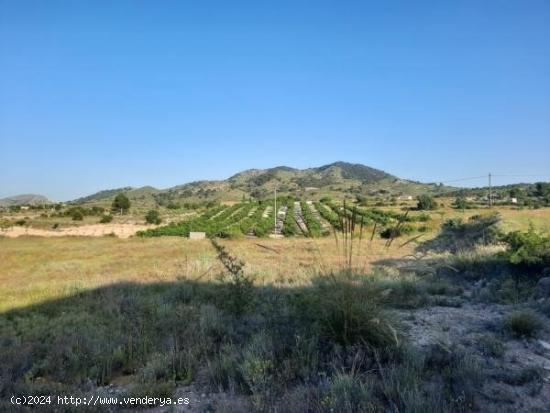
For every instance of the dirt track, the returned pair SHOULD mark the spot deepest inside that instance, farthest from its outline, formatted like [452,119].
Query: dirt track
[95,230]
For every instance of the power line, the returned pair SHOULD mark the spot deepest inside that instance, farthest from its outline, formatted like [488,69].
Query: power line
[523,175]
[464,179]
[471,178]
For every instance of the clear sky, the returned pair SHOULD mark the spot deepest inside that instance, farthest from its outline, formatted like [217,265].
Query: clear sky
[102,94]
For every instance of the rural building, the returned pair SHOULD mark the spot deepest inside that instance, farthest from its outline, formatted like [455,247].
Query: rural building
[197,235]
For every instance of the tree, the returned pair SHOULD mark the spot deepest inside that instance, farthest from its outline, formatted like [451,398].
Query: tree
[461,203]
[153,217]
[515,193]
[426,202]
[121,203]
[542,189]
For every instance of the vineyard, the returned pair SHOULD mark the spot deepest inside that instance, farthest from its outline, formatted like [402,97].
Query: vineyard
[290,218]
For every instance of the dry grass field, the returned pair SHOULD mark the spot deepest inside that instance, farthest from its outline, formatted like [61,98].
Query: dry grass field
[40,268]
[35,269]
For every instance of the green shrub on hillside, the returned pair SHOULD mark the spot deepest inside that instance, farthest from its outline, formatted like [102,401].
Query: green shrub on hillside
[426,202]
[121,204]
[77,215]
[153,217]
[462,203]
[105,219]
[529,249]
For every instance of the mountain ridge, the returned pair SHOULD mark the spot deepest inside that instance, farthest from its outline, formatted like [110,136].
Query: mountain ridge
[334,179]
[24,199]
[329,179]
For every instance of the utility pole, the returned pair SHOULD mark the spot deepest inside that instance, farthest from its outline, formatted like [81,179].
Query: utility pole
[490,192]
[275,214]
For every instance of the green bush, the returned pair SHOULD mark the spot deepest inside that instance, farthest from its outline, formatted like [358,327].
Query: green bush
[153,217]
[523,323]
[423,217]
[105,219]
[426,203]
[121,203]
[528,249]
[397,231]
[77,215]
[461,203]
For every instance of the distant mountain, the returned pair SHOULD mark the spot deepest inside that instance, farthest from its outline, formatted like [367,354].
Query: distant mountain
[145,192]
[335,179]
[355,171]
[25,199]
[102,195]
[287,179]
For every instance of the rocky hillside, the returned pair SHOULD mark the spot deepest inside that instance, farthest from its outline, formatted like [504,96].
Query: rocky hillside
[336,179]
[25,199]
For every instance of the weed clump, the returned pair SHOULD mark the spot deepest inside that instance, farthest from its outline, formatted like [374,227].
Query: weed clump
[491,346]
[239,294]
[457,235]
[349,311]
[105,219]
[523,323]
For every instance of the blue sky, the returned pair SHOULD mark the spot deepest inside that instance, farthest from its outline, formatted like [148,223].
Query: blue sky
[103,94]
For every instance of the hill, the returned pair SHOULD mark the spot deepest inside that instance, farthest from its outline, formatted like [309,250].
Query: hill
[143,195]
[335,179]
[24,199]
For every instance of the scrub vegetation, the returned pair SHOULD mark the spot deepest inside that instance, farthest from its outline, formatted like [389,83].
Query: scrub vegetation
[363,312]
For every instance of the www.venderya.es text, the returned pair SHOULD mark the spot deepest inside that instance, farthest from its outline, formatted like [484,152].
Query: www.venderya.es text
[97,401]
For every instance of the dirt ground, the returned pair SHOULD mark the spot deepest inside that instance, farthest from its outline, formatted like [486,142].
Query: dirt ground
[94,230]
[465,327]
